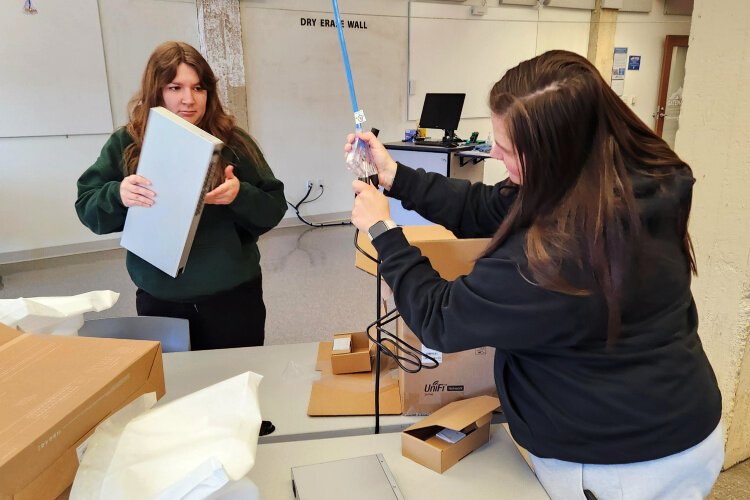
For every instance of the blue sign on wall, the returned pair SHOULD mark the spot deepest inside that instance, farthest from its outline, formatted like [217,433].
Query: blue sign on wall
[634,63]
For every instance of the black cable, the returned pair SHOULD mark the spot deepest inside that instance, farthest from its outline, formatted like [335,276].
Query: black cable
[406,356]
[314,224]
[322,190]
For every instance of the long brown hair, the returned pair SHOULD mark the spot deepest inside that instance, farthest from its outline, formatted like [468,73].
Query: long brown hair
[160,71]
[577,145]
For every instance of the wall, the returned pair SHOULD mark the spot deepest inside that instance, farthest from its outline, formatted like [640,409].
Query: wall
[298,100]
[643,34]
[298,103]
[39,173]
[713,138]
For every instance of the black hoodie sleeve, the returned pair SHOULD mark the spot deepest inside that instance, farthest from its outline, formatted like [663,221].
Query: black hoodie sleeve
[495,305]
[468,210]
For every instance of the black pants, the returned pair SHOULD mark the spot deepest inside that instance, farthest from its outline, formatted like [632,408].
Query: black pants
[235,318]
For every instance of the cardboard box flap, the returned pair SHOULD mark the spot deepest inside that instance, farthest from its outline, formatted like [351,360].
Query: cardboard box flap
[449,256]
[7,334]
[458,414]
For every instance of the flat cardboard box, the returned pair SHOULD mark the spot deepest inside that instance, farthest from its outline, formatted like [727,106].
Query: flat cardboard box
[359,359]
[470,416]
[54,391]
[352,393]
[460,375]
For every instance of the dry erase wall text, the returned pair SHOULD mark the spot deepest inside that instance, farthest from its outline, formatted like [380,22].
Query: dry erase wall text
[330,23]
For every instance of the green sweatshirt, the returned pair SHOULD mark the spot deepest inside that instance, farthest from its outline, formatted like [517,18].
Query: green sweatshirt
[224,252]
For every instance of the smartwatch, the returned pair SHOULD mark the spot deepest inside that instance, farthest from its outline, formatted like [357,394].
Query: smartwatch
[380,227]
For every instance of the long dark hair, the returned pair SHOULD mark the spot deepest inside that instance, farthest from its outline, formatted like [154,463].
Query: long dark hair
[577,145]
[160,71]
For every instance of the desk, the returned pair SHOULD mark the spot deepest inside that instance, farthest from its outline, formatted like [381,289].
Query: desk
[288,372]
[496,470]
[437,159]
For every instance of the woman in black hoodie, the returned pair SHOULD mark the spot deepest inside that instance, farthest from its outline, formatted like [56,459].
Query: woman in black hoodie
[584,289]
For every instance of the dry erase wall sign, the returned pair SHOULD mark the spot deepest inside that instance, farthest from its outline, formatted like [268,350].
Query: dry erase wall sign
[323,22]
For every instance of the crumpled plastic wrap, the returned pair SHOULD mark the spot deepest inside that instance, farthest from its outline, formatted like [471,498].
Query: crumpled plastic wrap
[187,449]
[54,315]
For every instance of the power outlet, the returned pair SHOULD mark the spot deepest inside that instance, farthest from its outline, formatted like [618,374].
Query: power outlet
[320,183]
[309,184]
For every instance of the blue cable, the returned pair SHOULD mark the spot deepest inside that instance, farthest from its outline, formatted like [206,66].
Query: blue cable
[347,67]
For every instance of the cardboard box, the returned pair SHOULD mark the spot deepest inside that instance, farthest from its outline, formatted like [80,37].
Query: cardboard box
[359,357]
[352,393]
[449,256]
[472,417]
[54,391]
[460,375]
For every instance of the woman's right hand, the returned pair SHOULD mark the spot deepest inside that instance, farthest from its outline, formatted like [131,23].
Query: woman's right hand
[133,192]
[383,161]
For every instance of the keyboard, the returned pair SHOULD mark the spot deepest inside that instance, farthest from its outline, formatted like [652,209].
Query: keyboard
[436,143]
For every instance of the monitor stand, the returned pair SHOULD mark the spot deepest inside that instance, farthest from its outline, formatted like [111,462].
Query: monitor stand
[450,137]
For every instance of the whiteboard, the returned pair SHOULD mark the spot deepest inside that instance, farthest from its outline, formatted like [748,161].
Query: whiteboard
[452,51]
[53,79]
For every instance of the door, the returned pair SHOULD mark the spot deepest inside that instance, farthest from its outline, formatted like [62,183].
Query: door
[667,113]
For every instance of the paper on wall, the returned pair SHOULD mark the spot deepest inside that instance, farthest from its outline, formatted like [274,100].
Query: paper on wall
[186,449]
[54,315]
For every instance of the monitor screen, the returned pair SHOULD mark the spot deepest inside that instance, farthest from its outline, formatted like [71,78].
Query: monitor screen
[442,111]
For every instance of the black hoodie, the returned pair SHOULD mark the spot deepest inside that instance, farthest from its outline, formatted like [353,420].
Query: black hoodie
[565,393]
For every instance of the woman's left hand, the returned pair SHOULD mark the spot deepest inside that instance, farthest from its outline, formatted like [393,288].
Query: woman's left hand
[370,206]
[227,191]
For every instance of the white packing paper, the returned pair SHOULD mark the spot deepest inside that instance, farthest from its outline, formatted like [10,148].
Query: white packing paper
[54,315]
[186,449]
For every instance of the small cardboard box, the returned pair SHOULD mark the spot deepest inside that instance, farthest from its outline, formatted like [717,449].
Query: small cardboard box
[54,391]
[460,375]
[359,357]
[472,417]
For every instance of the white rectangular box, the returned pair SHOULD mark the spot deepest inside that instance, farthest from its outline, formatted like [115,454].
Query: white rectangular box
[176,157]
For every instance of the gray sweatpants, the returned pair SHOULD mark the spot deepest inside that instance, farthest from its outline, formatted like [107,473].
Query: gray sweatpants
[689,474]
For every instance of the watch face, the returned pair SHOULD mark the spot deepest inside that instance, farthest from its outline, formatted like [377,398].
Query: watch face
[377,229]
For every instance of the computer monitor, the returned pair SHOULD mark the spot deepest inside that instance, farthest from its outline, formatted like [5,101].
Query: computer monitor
[442,111]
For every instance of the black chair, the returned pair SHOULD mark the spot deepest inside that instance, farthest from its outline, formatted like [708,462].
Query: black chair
[173,333]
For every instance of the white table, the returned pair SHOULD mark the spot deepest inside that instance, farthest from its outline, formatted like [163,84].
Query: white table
[494,471]
[288,372]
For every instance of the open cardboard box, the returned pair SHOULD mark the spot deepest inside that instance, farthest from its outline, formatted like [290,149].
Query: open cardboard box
[472,417]
[54,391]
[359,357]
[449,256]
[460,375]
[352,393]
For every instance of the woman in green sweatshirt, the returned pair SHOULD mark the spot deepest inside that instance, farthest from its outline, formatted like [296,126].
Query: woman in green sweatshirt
[220,290]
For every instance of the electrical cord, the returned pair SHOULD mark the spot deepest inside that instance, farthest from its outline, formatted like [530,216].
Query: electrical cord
[305,200]
[322,190]
[406,356]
